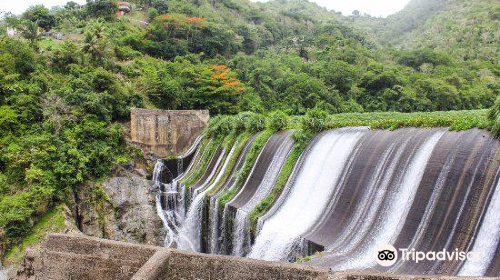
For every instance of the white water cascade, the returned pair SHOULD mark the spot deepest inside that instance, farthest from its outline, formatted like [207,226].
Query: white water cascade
[391,219]
[487,240]
[189,238]
[309,195]
[241,232]
[2,276]
[158,169]
[173,213]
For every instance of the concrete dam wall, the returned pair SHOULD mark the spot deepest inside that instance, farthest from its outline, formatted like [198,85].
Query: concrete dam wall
[352,190]
[163,133]
[65,257]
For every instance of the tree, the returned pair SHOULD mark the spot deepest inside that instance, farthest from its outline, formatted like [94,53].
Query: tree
[96,42]
[40,16]
[101,8]
[215,88]
[442,95]
[31,32]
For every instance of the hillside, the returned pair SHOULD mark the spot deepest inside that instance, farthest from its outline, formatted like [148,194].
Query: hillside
[466,29]
[70,75]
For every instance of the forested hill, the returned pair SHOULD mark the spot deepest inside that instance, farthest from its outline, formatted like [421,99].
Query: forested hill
[69,76]
[467,29]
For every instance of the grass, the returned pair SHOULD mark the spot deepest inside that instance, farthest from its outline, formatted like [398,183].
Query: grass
[455,120]
[53,221]
[241,141]
[281,181]
[49,43]
[254,152]
[205,160]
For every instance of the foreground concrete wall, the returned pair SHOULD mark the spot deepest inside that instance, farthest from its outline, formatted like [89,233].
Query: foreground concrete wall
[84,258]
[164,133]
[64,257]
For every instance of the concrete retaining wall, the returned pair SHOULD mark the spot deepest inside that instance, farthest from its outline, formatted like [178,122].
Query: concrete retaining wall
[163,133]
[64,257]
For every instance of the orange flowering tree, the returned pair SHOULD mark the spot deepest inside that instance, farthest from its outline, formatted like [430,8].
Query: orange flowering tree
[217,89]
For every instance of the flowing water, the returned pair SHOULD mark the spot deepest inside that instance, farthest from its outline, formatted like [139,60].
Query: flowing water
[487,240]
[241,231]
[217,225]
[310,194]
[352,190]
[189,238]
[385,220]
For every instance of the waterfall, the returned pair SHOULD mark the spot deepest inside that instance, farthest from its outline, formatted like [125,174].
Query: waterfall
[241,231]
[157,172]
[189,238]
[352,190]
[309,196]
[217,241]
[390,220]
[2,276]
[172,215]
[214,225]
[487,240]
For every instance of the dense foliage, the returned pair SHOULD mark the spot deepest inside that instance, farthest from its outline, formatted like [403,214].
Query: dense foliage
[62,101]
[466,29]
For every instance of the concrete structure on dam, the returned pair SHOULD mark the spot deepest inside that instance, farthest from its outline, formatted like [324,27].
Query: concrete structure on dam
[164,133]
[64,257]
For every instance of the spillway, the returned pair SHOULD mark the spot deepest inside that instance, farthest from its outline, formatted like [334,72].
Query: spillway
[260,182]
[352,190]
[309,195]
[375,196]
[216,227]
[189,237]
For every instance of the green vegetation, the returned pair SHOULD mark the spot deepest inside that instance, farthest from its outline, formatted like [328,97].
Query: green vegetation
[63,102]
[465,29]
[494,118]
[455,120]
[250,160]
[52,222]
[283,176]
[208,154]
[241,141]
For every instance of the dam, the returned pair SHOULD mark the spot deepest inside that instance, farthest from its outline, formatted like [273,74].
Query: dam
[352,190]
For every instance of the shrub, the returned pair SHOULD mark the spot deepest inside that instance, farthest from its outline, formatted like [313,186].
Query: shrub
[255,123]
[278,120]
[494,118]
[220,126]
[315,120]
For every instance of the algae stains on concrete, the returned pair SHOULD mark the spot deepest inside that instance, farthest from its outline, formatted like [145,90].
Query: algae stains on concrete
[64,257]
[166,133]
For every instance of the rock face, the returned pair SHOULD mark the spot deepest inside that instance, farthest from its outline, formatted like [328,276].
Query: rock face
[120,208]
[161,133]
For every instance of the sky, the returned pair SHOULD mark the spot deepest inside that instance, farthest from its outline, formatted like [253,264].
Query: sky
[379,8]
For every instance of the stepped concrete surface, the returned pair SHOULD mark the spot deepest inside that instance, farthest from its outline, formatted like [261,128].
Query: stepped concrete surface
[64,257]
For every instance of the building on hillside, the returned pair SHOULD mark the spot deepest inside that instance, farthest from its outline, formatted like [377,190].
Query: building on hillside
[123,8]
[11,32]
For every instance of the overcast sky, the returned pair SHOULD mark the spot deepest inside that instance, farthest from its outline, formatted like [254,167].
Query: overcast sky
[378,8]
[372,7]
